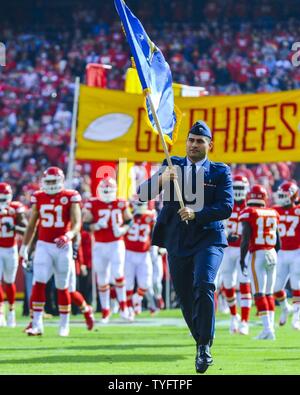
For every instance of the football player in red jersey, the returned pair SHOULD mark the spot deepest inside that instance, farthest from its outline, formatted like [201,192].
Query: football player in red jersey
[289,254]
[260,236]
[56,212]
[108,218]
[138,264]
[230,268]
[12,220]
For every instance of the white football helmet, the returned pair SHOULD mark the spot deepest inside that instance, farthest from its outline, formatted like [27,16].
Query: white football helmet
[52,180]
[5,194]
[287,193]
[240,188]
[107,190]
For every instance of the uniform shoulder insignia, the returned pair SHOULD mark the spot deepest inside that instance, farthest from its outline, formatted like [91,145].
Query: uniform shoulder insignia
[297,211]
[148,219]
[64,200]
[121,203]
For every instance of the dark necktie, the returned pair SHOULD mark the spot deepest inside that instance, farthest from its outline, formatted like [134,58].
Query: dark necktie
[193,177]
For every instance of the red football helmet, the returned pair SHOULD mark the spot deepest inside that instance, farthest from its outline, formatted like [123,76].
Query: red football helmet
[287,193]
[5,194]
[240,187]
[257,195]
[107,190]
[53,180]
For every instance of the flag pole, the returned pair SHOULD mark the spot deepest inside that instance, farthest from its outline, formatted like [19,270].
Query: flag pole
[177,189]
[71,160]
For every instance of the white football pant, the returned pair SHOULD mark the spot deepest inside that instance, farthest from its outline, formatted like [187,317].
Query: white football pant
[138,266]
[262,268]
[108,260]
[8,263]
[230,269]
[288,267]
[49,259]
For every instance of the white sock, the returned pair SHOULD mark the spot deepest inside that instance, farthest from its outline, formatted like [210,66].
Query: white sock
[296,312]
[284,304]
[266,321]
[121,293]
[37,320]
[272,316]
[104,297]
[64,319]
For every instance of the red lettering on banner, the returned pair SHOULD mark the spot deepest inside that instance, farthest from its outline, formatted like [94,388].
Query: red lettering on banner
[139,133]
[265,127]
[214,129]
[193,110]
[159,147]
[248,129]
[236,130]
[288,127]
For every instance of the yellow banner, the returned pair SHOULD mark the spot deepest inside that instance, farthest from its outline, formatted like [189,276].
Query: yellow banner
[246,129]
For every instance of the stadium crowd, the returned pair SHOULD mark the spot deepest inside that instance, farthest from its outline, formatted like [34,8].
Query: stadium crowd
[232,49]
[227,47]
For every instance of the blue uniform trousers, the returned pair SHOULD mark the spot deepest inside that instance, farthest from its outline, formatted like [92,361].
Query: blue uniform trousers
[193,279]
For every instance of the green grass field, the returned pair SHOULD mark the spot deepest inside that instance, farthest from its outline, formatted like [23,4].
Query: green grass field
[153,345]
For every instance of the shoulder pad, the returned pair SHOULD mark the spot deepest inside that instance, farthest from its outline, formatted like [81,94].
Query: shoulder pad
[219,165]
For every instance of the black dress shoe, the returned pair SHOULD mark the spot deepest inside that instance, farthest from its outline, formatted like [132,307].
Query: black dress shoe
[203,358]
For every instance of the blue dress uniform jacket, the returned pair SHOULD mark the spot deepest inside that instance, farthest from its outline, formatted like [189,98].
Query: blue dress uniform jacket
[195,250]
[181,239]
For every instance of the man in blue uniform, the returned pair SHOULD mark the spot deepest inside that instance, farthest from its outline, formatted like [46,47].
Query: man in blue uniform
[195,239]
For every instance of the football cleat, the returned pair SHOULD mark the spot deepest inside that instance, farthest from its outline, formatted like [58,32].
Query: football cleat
[11,319]
[124,314]
[2,320]
[89,318]
[285,312]
[160,303]
[244,328]
[35,331]
[153,311]
[64,330]
[105,320]
[29,326]
[266,334]
[105,316]
[131,313]
[234,323]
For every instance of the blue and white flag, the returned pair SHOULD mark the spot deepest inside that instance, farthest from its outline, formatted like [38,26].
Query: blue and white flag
[154,74]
